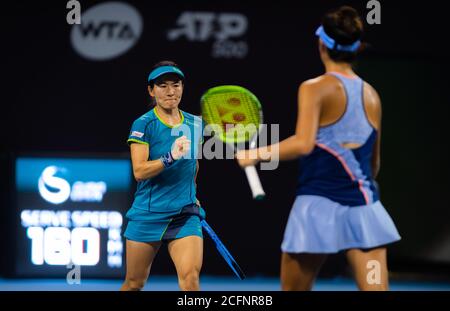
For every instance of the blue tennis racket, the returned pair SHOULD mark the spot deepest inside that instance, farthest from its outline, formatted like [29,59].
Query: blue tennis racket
[223,251]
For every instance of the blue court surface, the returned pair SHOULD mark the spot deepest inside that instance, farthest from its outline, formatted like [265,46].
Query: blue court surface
[208,283]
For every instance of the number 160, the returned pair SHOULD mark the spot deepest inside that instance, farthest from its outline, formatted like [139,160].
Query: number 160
[60,246]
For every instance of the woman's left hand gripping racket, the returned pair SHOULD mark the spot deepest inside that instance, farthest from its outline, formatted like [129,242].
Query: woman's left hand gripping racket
[223,251]
[235,115]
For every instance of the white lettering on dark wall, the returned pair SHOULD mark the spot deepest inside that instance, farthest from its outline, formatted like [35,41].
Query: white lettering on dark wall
[225,29]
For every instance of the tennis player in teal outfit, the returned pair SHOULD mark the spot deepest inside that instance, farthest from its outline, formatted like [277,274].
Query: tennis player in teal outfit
[164,143]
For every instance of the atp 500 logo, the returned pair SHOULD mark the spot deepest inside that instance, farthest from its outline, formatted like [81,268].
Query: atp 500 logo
[225,28]
[57,190]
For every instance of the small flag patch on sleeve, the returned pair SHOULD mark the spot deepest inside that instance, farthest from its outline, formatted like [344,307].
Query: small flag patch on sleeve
[137,134]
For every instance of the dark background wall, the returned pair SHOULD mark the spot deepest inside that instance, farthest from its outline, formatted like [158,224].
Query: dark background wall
[55,100]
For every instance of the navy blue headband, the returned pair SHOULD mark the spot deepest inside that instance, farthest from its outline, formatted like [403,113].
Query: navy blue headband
[331,43]
[158,72]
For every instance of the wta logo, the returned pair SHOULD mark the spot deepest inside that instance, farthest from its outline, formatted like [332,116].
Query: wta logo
[107,30]
[57,190]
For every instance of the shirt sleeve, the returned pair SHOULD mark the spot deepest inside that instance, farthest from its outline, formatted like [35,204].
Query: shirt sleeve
[139,133]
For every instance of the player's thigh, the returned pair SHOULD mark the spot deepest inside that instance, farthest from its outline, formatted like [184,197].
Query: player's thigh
[139,257]
[298,271]
[369,268]
[187,255]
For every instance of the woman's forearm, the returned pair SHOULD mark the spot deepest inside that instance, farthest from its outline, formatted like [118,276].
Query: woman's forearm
[288,149]
[147,169]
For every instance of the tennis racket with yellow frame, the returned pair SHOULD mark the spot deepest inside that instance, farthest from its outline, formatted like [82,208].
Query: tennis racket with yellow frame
[235,115]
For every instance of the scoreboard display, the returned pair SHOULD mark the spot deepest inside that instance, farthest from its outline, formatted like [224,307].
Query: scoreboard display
[70,214]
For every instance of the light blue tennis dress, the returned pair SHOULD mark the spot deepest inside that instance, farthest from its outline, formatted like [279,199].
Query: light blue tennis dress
[337,205]
[164,206]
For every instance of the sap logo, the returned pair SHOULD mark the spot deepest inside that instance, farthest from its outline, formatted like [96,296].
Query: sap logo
[108,30]
[230,25]
[62,191]
[48,179]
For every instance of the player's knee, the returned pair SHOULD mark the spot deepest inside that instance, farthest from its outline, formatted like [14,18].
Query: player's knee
[382,286]
[189,280]
[134,284]
[287,286]
[291,285]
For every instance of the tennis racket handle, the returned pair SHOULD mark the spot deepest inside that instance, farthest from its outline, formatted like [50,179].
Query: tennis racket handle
[255,183]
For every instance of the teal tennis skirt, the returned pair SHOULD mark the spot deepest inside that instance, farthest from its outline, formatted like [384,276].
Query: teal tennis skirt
[145,226]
